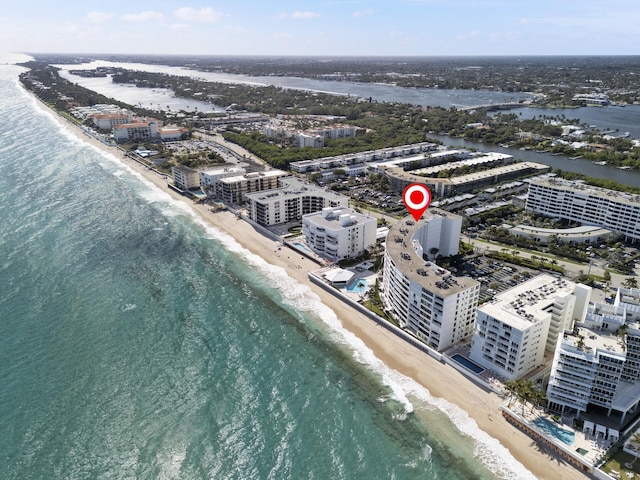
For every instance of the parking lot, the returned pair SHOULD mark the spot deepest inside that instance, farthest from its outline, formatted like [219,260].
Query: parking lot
[494,276]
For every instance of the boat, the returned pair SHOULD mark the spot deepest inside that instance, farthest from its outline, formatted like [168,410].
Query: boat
[600,163]
[625,168]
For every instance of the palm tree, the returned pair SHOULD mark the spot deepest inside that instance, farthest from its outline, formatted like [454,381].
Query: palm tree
[511,386]
[631,282]
[635,441]
[539,396]
[527,394]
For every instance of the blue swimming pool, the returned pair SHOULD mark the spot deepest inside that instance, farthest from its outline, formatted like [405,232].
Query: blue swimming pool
[357,286]
[465,362]
[553,429]
[303,247]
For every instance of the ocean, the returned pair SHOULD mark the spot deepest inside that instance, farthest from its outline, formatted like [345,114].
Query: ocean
[136,342]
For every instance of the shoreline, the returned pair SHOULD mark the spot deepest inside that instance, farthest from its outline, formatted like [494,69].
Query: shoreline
[440,380]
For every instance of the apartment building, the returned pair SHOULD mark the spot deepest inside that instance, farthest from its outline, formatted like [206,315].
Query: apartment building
[589,205]
[596,367]
[425,299]
[513,331]
[290,201]
[233,190]
[338,232]
[210,178]
[399,178]
[185,178]
[106,121]
[136,131]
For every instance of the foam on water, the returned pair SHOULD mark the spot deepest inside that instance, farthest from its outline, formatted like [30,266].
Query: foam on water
[489,450]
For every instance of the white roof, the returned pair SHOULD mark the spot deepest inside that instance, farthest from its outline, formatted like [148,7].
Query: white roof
[338,275]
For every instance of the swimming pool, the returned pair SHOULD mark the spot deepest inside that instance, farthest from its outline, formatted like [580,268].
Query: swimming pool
[465,362]
[551,428]
[303,247]
[357,286]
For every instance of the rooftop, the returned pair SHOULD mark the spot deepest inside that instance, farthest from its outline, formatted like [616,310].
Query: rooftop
[294,187]
[528,302]
[580,188]
[513,168]
[254,175]
[430,276]
[336,218]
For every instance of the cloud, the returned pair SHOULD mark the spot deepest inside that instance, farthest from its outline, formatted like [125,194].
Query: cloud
[304,15]
[99,17]
[299,15]
[206,14]
[143,17]
[179,26]
[363,13]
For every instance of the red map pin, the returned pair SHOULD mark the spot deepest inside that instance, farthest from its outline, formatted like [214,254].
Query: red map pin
[416,198]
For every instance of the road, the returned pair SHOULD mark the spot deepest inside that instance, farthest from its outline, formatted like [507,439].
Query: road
[240,153]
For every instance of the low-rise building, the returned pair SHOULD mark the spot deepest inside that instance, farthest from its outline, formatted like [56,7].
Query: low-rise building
[338,232]
[583,234]
[173,133]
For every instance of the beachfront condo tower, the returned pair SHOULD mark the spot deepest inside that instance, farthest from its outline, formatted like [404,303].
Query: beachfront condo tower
[425,299]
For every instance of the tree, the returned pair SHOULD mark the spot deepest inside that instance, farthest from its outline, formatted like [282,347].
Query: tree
[539,396]
[315,177]
[635,442]
[631,282]
[511,386]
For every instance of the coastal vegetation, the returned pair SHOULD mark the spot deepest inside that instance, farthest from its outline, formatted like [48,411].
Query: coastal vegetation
[555,79]
[383,124]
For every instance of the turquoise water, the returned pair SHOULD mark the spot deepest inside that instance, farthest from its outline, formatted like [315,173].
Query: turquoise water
[357,286]
[550,428]
[135,342]
[302,247]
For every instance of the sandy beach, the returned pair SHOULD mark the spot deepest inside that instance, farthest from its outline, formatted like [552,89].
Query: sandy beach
[441,380]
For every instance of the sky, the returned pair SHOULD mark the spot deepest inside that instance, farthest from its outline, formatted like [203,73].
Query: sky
[322,27]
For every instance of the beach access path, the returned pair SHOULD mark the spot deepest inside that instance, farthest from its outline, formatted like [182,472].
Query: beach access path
[441,380]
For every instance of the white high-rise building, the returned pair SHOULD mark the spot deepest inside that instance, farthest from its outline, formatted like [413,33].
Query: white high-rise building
[339,232]
[424,298]
[589,205]
[596,367]
[513,331]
